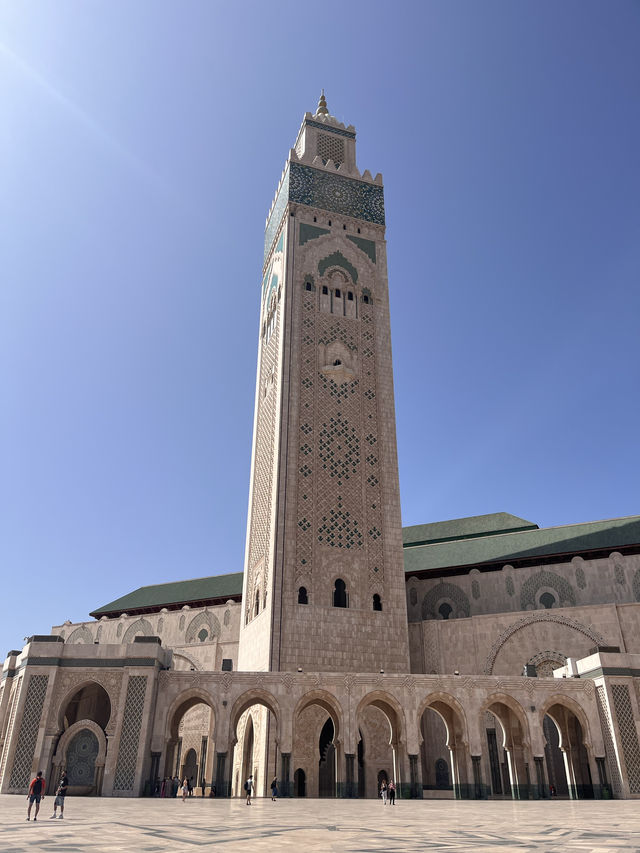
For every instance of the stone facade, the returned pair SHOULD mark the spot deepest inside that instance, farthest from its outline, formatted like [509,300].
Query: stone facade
[491,659]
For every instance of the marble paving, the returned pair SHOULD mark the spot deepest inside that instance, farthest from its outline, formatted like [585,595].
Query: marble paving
[348,826]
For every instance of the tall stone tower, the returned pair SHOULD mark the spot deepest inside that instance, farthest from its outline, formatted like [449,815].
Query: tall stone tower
[324,579]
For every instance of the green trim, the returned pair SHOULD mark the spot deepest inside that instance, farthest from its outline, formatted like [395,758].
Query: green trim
[337,259]
[367,246]
[329,129]
[90,663]
[310,232]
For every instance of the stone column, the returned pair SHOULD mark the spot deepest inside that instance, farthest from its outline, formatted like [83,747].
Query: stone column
[541,789]
[415,777]
[285,774]
[154,771]
[349,779]
[223,783]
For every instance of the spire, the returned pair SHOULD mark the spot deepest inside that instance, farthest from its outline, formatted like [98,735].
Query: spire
[322,106]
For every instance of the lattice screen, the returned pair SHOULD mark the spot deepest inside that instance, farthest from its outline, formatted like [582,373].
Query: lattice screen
[23,759]
[330,147]
[131,723]
[628,734]
[607,732]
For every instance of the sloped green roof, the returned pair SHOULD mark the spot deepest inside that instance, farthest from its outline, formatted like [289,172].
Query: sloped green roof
[178,592]
[525,544]
[464,528]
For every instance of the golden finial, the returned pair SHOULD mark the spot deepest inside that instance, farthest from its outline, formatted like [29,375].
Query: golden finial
[322,106]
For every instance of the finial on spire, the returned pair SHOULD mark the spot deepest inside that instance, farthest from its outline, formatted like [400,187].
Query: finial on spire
[322,106]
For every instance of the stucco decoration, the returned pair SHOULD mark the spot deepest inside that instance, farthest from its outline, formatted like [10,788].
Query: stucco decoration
[80,635]
[541,616]
[543,581]
[445,592]
[545,662]
[141,627]
[204,620]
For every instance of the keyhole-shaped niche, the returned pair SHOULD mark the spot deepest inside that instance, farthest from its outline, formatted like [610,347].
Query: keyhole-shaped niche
[338,362]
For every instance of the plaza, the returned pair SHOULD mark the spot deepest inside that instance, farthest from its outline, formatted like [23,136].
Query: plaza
[321,825]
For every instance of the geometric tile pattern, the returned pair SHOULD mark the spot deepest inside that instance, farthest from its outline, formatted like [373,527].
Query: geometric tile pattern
[336,193]
[563,588]
[330,148]
[131,724]
[445,591]
[628,734]
[21,771]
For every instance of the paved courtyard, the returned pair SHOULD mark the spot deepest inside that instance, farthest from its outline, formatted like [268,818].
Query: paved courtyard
[321,825]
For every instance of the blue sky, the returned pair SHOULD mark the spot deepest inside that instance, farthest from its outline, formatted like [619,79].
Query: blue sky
[140,147]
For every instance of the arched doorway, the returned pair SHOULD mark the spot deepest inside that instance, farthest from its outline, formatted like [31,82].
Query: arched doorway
[254,727]
[443,750]
[317,722]
[300,783]
[89,702]
[510,769]
[379,725]
[566,756]
[190,744]
[327,761]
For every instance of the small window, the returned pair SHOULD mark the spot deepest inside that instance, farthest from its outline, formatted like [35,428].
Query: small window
[256,606]
[329,223]
[344,227]
[315,218]
[350,296]
[303,598]
[307,286]
[377,603]
[358,230]
[227,665]
[337,294]
[203,635]
[337,362]
[445,610]
[365,299]
[340,594]
[547,600]
[325,290]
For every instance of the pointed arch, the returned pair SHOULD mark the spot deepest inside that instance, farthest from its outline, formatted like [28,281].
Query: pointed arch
[203,620]
[80,635]
[140,626]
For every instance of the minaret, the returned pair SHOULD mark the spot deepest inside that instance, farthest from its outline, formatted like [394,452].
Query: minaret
[324,579]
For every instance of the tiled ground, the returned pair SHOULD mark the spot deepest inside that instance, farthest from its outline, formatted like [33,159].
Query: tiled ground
[347,826]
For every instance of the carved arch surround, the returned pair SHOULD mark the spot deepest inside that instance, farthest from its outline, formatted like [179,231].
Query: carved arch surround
[538,616]
[139,626]
[61,750]
[203,620]
[70,684]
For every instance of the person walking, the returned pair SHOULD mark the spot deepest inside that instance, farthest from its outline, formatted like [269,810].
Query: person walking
[392,793]
[61,793]
[185,789]
[36,793]
[190,785]
[383,792]
[274,789]
[248,786]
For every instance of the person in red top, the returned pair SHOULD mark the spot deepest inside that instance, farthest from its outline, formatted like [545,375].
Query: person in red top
[36,793]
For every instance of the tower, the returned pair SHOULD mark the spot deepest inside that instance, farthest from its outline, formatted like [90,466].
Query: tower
[324,579]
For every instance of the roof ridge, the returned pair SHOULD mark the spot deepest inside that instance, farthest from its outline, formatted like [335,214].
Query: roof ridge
[186,580]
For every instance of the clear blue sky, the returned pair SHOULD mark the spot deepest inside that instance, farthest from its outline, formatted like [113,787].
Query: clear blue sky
[140,147]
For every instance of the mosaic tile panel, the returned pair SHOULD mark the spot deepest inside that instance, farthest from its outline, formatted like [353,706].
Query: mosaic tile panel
[31,714]
[335,193]
[130,736]
[327,128]
[273,225]
[628,734]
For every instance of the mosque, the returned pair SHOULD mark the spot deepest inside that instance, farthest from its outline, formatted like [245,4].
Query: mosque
[477,658]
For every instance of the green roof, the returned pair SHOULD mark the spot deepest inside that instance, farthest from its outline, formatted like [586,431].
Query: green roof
[519,545]
[464,528]
[180,592]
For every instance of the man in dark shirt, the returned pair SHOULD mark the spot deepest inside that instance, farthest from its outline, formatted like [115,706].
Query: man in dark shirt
[36,793]
[60,795]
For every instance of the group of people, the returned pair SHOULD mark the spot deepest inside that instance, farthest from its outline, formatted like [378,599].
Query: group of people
[249,789]
[36,795]
[388,792]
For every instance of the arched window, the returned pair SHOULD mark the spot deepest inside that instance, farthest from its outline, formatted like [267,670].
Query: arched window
[340,598]
[350,296]
[307,286]
[337,293]
[203,635]
[445,610]
[365,299]
[303,598]
[377,603]
[256,606]
[547,600]
[325,290]
[337,362]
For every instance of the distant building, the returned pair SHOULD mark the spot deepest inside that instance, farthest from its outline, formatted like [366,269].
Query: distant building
[479,657]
